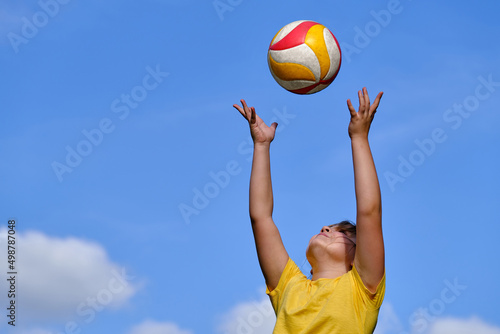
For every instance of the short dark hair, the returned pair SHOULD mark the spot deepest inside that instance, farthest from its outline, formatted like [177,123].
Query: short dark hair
[347,227]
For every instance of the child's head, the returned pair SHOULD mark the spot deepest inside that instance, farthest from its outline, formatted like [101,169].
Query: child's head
[335,244]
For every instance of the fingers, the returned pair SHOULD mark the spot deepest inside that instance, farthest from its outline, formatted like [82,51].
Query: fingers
[245,111]
[351,108]
[274,126]
[375,104]
[237,107]
[364,103]
[367,99]
[361,101]
[242,112]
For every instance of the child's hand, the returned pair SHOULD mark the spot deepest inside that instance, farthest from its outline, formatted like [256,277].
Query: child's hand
[361,120]
[261,133]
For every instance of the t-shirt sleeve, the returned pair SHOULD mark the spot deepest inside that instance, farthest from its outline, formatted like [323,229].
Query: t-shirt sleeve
[291,270]
[369,298]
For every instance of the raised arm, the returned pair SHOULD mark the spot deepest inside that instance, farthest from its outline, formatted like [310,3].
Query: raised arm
[369,259]
[270,250]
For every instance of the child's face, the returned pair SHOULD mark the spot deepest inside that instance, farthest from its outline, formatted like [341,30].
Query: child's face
[334,243]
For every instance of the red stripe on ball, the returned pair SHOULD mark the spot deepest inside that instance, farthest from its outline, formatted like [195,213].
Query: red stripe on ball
[295,37]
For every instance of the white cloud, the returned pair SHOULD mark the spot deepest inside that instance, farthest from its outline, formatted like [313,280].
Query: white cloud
[472,325]
[248,317]
[64,279]
[153,327]
[388,321]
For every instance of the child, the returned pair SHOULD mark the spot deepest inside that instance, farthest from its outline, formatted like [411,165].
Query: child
[347,285]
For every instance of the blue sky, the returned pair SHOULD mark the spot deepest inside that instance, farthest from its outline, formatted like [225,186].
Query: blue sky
[144,91]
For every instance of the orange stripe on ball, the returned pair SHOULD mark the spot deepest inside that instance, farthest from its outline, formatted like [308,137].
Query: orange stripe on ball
[316,41]
[291,71]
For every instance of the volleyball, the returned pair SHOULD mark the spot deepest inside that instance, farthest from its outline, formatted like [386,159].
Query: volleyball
[304,57]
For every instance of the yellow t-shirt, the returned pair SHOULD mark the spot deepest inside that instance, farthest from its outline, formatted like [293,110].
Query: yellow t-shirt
[341,305]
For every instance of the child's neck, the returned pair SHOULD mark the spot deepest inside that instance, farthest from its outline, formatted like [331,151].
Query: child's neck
[330,271]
